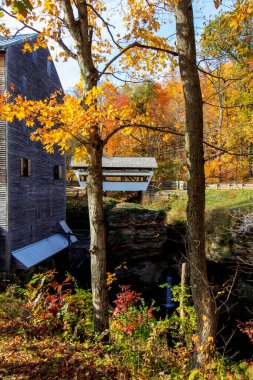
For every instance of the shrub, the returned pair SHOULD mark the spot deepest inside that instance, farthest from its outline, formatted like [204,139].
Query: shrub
[131,325]
[183,327]
[61,307]
[142,341]
[12,304]
[130,318]
[77,315]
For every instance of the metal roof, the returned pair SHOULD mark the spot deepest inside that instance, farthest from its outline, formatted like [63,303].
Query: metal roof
[68,231]
[37,252]
[122,162]
[5,42]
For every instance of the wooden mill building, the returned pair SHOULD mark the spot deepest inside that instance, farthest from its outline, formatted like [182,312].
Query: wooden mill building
[32,182]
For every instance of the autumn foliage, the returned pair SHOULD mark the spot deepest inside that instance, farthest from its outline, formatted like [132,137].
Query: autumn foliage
[226,63]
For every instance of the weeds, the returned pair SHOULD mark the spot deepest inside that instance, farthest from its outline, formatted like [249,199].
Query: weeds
[12,304]
[48,330]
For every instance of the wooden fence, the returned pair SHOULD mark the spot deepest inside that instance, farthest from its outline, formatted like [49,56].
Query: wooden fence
[182,185]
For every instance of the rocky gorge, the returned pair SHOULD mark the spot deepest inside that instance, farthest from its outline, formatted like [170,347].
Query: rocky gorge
[150,247]
[143,250]
[140,238]
[152,250]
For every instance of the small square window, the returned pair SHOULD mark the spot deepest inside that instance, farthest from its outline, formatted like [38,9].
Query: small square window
[25,167]
[57,172]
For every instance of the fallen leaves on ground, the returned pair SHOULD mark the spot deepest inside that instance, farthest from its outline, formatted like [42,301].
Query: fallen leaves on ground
[28,352]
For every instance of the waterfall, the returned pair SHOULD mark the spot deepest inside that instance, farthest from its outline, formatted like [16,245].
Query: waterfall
[169,304]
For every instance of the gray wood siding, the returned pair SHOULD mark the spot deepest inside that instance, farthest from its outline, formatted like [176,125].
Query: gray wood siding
[3,178]
[36,203]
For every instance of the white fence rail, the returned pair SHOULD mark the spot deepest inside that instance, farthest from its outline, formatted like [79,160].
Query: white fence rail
[181,185]
[224,186]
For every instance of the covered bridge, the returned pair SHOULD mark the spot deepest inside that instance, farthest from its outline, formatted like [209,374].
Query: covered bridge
[120,173]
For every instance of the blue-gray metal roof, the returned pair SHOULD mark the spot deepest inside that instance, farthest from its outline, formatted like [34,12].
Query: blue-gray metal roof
[5,42]
[122,162]
[35,253]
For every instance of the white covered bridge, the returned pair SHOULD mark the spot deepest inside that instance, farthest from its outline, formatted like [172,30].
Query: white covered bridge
[120,173]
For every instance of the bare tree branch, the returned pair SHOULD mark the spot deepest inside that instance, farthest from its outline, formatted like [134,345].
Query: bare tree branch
[132,46]
[22,22]
[66,48]
[59,39]
[228,107]
[69,18]
[210,74]
[106,24]
[123,80]
[173,132]
[227,151]
[149,127]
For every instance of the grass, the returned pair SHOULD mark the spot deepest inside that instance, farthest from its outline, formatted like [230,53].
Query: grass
[229,199]
[215,199]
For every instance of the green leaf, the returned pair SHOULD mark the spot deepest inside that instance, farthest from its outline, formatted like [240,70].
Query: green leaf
[194,374]
[1,14]
[22,7]
[28,4]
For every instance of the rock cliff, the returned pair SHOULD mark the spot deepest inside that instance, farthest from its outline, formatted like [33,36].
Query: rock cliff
[230,236]
[135,233]
[138,236]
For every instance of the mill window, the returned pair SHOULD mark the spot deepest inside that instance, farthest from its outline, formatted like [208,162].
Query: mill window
[57,172]
[25,167]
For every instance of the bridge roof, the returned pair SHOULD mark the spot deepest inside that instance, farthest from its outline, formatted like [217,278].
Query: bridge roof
[121,162]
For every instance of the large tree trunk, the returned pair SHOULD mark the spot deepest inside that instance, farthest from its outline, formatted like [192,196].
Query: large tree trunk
[99,288]
[81,32]
[98,237]
[220,124]
[202,298]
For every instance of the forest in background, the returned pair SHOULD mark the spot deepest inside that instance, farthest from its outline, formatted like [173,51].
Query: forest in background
[227,104]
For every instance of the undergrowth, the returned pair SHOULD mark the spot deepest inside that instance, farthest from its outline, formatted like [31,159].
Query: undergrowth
[46,332]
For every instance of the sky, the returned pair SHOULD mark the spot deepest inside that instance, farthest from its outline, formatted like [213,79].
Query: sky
[204,10]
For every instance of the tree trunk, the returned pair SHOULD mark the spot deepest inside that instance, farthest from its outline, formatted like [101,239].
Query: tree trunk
[99,288]
[98,237]
[81,32]
[182,296]
[220,123]
[250,146]
[202,298]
